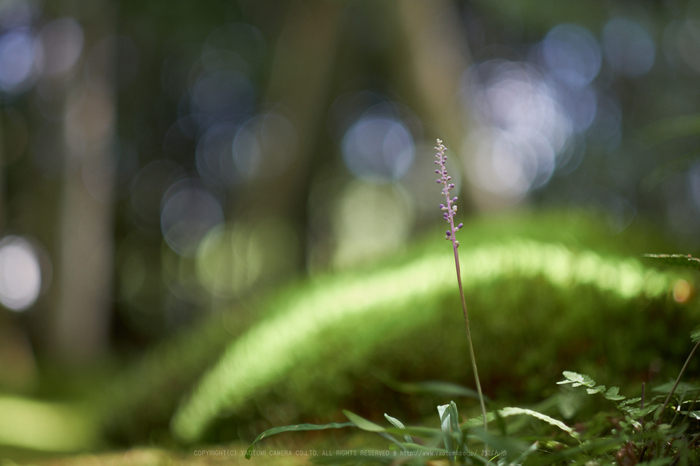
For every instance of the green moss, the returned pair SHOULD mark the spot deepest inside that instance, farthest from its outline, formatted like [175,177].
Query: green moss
[541,301]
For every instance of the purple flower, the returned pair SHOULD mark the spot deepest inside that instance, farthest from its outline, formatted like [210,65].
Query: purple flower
[450,208]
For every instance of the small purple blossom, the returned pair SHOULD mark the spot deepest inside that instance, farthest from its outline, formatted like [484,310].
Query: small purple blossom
[450,208]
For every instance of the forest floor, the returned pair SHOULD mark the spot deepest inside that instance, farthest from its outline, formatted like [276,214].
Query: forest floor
[149,456]
[291,449]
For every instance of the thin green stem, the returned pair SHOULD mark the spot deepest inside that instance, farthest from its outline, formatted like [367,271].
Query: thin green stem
[469,336]
[668,398]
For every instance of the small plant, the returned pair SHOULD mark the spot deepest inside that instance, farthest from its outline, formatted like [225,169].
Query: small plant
[655,430]
[449,441]
[646,431]
[450,209]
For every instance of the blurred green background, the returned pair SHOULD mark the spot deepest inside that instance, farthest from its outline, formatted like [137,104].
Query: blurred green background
[164,162]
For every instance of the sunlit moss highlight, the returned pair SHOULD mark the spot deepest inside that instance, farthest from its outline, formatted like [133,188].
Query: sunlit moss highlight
[45,426]
[272,348]
[233,258]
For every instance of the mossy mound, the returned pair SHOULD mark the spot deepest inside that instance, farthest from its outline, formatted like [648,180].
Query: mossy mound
[545,293]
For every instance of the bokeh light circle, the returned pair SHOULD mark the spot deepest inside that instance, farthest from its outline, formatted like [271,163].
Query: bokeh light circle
[20,273]
[149,186]
[524,127]
[628,47]
[62,40]
[214,158]
[18,13]
[572,55]
[237,46]
[223,95]
[683,42]
[268,140]
[378,149]
[188,213]
[19,51]
[371,221]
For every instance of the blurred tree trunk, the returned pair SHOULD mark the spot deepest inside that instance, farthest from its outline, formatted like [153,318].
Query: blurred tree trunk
[300,81]
[430,66]
[79,330]
[3,144]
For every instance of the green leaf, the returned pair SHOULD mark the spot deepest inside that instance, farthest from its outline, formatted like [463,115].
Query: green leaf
[434,387]
[695,335]
[451,430]
[631,401]
[677,260]
[542,417]
[370,426]
[445,424]
[512,411]
[423,432]
[569,401]
[454,423]
[399,425]
[639,412]
[500,423]
[511,447]
[521,459]
[295,428]
[658,412]
[363,423]
[596,389]
[591,447]
[423,448]
[577,380]
[612,394]
[682,387]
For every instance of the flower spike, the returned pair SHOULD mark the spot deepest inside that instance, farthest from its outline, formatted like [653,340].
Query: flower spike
[449,207]
[449,210]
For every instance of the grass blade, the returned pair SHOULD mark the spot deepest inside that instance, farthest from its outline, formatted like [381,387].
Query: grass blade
[433,387]
[295,428]
[399,425]
[446,425]
[370,426]
[363,423]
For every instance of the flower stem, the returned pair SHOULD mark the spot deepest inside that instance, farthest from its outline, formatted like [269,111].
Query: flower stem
[469,338]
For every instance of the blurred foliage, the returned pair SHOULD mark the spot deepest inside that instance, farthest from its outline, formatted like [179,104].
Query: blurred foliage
[295,196]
